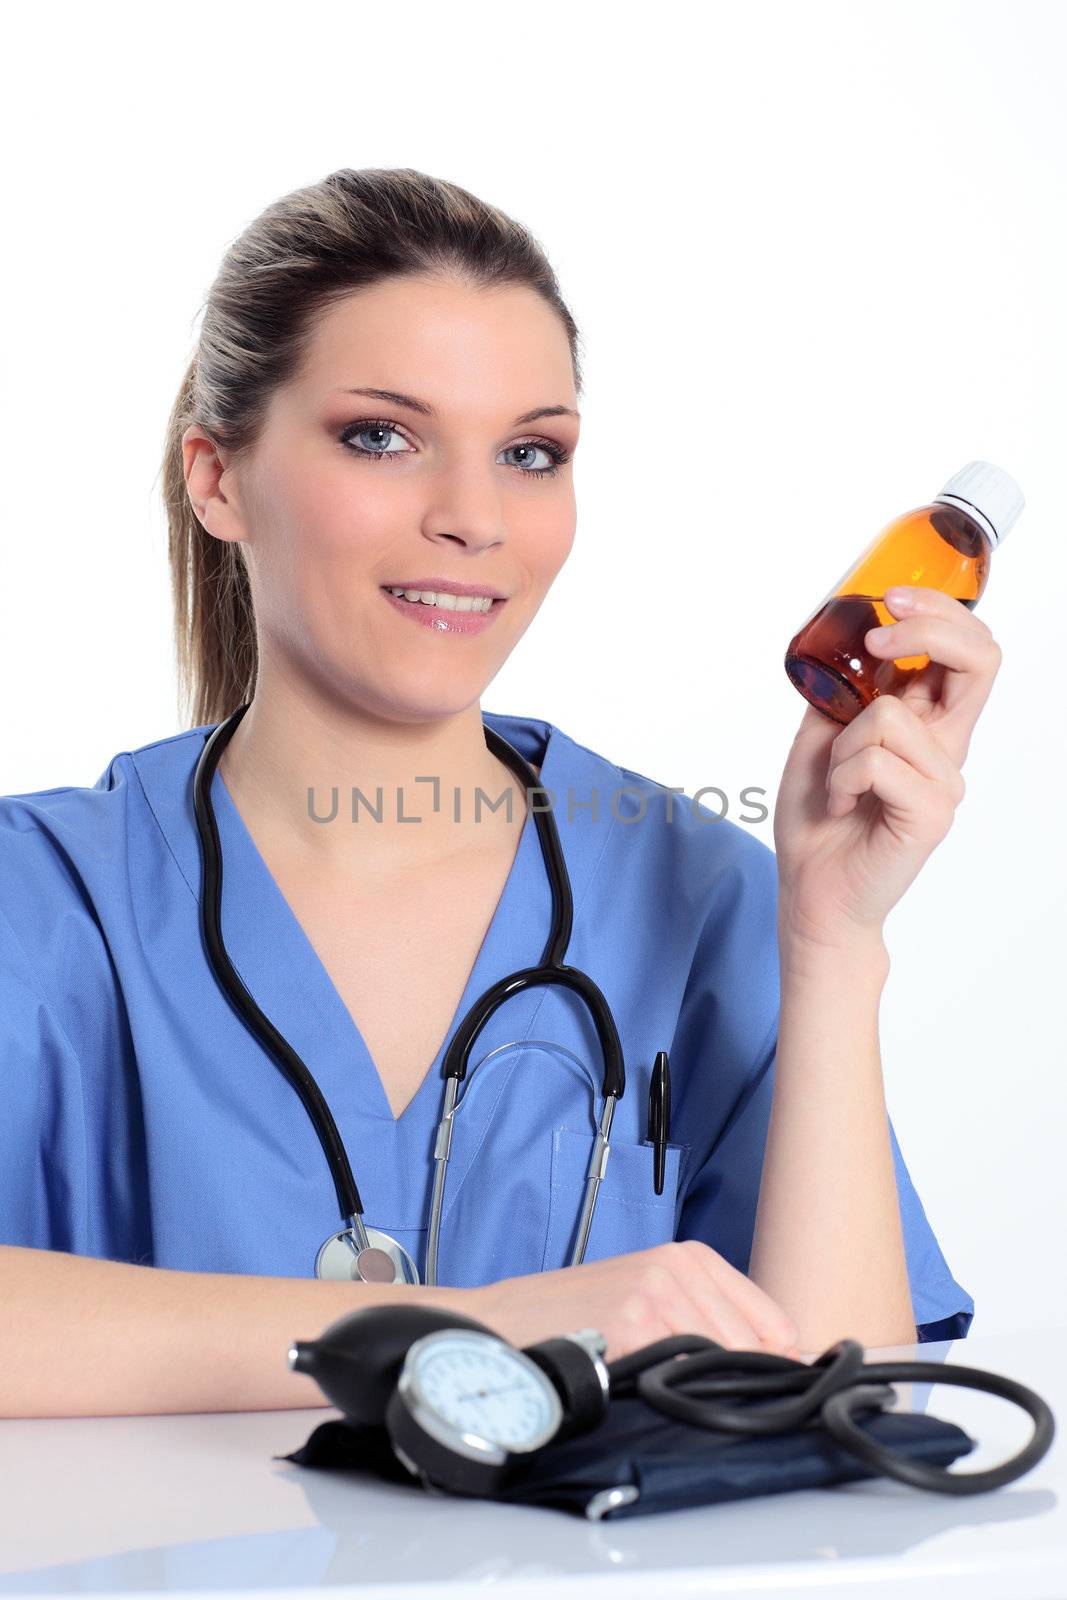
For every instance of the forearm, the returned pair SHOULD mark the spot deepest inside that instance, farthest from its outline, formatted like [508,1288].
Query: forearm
[828,1244]
[86,1337]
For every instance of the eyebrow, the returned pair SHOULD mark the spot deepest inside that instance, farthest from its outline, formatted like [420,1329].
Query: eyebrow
[425,409]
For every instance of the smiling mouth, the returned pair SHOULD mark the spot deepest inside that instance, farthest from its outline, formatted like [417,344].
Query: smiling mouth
[462,604]
[452,615]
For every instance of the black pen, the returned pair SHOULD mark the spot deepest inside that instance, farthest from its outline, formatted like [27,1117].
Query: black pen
[659,1116]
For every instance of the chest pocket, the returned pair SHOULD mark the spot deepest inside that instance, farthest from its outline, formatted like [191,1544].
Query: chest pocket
[629,1214]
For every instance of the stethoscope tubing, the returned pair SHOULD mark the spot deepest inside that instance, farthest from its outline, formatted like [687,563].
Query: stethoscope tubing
[551,970]
[244,1003]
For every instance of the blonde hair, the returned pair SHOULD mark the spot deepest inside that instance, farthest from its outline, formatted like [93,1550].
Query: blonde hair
[311,247]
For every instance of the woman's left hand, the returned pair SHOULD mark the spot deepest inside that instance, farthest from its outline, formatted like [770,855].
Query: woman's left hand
[860,807]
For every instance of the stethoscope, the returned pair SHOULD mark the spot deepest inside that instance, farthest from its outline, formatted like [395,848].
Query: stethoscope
[358,1251]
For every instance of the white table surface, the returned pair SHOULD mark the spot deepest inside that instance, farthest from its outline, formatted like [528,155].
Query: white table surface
[175,1504]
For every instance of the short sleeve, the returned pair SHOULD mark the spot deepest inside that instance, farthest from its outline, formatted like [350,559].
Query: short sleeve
[42,1131]
[719,1207]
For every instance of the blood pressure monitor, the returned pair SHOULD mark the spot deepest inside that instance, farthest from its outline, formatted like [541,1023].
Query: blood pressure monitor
[459,1405]
[468,1405]
[435,1395]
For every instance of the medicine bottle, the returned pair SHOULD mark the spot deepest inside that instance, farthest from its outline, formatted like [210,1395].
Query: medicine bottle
[945,545]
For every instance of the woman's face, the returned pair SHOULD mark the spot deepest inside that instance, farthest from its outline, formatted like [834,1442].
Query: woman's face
[346,493]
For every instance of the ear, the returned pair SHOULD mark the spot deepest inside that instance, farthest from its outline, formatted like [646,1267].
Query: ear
[206,465]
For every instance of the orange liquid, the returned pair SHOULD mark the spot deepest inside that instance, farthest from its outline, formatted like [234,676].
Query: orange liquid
[937,547]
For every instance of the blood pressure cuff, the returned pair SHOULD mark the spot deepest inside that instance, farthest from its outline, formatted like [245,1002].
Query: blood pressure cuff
[670,1464]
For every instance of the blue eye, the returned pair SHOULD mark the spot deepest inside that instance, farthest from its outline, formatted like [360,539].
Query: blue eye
[354,430]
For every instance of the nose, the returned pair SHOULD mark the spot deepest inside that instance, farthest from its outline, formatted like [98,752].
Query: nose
[466,509]
[473,536]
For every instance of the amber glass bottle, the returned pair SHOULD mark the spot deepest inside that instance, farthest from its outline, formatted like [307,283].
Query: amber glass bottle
[946,545]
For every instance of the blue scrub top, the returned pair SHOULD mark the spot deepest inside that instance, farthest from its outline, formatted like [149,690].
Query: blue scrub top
[141,1120]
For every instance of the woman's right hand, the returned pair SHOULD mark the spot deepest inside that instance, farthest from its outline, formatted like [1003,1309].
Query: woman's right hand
[681,1287]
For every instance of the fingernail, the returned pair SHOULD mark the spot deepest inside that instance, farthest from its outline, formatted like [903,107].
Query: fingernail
[900,596]
[879,633]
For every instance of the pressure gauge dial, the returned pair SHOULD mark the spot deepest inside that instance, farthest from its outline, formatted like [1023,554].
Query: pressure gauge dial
[465,1404]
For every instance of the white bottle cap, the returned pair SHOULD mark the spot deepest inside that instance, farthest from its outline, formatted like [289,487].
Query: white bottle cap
[990,496]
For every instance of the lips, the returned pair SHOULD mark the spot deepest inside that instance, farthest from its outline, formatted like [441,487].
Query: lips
[441,620]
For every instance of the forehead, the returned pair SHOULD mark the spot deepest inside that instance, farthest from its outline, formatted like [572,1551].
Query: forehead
[445,342]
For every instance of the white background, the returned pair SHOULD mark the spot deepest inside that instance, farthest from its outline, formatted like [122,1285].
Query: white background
[817,254]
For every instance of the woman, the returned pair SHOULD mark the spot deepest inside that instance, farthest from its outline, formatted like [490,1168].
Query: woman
[382,412]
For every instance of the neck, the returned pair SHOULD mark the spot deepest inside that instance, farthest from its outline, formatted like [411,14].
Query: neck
[295,758]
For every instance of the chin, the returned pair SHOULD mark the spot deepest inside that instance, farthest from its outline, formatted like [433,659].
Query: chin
[429,702]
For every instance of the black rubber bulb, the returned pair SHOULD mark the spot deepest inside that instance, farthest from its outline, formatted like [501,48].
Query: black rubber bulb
[356,1361]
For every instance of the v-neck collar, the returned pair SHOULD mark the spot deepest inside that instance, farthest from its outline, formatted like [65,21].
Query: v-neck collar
[263,905]
[282,970]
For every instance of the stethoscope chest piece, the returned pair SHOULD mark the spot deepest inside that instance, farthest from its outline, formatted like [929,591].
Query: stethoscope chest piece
[383,1261]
